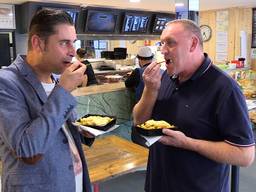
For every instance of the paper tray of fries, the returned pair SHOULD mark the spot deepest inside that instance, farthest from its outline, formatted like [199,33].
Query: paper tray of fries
[154,128]
[100,122]
[96,124]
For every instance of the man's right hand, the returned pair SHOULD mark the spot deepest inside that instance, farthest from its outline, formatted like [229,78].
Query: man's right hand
[152,77]
[152,81]
[73,76]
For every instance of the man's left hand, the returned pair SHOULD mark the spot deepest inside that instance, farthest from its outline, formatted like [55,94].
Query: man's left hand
[174,138]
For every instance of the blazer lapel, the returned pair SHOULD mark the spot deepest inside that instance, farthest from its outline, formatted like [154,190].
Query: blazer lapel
[28,74]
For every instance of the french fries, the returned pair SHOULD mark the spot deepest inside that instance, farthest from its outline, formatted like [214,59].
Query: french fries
[152,124]
[95,121]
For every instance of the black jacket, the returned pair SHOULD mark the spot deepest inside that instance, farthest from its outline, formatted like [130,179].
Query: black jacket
[90,73]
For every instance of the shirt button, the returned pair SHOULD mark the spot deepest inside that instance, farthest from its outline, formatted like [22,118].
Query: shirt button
[176,88]
[65,141]
[70,167]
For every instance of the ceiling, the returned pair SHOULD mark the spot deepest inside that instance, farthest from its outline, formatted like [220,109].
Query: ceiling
[152,5]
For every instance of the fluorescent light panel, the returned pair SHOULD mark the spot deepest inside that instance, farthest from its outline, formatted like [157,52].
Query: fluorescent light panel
[179,4]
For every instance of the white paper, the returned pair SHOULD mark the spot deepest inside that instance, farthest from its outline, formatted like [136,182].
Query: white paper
[222,15]
[222,37]
[151,139]
[93,131]
[253,53]
[221,57]
[251,104]
[221,47]
[222,21]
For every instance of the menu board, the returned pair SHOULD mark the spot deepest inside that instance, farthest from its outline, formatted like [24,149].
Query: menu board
[100,21]
[7,17]
[254,28]
[160,23]
[135,23]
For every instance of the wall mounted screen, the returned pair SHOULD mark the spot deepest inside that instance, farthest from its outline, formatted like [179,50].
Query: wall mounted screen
[135,23]
[160,23]
[100,21]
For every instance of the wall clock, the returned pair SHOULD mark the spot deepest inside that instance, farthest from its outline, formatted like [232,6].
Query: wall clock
[206,32]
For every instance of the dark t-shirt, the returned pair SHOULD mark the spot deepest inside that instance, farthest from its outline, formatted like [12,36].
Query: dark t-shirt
[209,106]
[134,79]
[90,73]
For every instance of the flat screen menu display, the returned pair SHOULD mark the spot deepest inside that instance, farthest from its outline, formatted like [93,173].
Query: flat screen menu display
[102,22]
[160,23]
[135,23]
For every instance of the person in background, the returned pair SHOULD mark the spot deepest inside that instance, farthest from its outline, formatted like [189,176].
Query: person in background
[40,148]
[134,80]
[208,108]
[90,78]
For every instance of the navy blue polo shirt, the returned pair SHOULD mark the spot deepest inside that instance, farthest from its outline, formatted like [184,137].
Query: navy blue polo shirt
[208,106]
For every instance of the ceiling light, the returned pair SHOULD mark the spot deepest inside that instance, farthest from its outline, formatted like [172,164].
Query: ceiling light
[134,1]
[179,4]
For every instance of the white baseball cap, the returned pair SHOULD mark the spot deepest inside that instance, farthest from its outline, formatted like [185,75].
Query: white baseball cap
[145,52]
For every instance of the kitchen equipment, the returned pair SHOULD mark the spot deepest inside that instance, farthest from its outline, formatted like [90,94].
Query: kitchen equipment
[120,53]
[105,68]
[107,54]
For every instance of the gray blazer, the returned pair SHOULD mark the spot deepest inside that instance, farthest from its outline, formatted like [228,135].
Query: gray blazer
[30,124]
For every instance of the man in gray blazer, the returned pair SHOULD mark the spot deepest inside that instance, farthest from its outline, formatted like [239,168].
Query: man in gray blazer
[40,149]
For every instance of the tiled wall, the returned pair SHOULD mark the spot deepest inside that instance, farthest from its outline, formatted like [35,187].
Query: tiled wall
[117,103]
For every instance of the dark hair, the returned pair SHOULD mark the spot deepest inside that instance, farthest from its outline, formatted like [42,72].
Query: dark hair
[44,21]
[81,52]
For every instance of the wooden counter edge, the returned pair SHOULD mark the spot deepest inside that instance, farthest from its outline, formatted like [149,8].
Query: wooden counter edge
[110,171]
[95,89]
